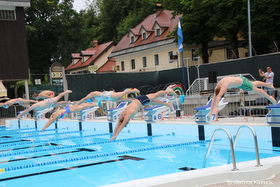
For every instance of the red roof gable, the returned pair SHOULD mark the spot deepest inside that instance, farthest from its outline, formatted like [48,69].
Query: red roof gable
[164,20]
[93,52]
[108,66]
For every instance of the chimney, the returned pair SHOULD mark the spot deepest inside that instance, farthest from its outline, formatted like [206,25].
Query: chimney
[159,9]
[94,43]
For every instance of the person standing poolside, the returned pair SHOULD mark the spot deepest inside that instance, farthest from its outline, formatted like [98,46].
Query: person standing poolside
[61,113]
[238,82]
[268,77]
[136,105]
[44,95]
[108,95]
[50,102]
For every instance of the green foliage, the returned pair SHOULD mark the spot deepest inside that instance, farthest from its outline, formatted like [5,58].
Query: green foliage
[55,30]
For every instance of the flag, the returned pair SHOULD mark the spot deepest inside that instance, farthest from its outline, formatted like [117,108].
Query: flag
[180,36]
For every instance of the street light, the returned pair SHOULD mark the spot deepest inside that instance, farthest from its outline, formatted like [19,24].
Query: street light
[249,29]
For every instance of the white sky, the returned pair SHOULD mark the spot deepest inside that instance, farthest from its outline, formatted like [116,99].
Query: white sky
[79,5]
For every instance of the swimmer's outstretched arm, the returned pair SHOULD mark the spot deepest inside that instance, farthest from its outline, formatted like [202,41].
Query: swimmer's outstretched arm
[53,117]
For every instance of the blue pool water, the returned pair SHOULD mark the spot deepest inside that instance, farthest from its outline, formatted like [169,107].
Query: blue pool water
[69,157]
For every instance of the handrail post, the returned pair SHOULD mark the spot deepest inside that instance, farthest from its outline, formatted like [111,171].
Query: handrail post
[231,148]
[255,142]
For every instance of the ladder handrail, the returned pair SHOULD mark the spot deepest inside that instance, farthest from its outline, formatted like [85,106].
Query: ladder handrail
[231,147]
[255,142]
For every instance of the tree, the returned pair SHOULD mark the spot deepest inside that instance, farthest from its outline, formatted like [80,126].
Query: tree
[265,25]
[116,17]
[195,22]
[54,31]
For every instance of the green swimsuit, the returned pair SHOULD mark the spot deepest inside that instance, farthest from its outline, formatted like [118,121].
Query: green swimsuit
[246,85]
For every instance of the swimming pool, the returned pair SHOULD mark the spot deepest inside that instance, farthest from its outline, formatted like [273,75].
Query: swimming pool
[79,154]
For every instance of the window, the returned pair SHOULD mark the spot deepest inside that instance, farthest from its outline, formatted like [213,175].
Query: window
[156,60]
[144,36]
[230,54]
[194,55]
[7,15]
[171,57]
[132,39]
[122,65]
[144,61]
[132,63]
[158,32]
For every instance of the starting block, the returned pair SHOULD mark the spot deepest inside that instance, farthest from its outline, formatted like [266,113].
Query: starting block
[273,116]
[87,114]
[203,114]
[156,113]
[114,113]
[40,114]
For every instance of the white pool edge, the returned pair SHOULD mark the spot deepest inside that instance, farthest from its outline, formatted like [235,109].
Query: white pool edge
[247,171]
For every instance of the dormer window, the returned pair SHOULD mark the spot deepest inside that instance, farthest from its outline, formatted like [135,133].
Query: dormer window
[132,39]
[158,32]
[144,35]
[7,14]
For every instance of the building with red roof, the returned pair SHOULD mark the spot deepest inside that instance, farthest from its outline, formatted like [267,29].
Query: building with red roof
[93,60]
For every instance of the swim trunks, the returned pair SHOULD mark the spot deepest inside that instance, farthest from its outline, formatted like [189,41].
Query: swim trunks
[143,99]
[64,114]
[105,96]
[50,101]
[246,85]
[89,100]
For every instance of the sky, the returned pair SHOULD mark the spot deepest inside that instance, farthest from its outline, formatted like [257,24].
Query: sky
[79,5]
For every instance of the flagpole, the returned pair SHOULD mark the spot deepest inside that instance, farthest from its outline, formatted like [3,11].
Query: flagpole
[181,50]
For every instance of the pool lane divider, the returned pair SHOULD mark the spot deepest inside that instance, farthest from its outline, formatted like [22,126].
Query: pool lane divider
[47,144]
[74,146]
[101,155]
[40,135]
[8,131]
[57,139]
[122,158]
[41,156]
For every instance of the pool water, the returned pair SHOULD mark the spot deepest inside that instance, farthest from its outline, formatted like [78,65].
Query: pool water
[67,157]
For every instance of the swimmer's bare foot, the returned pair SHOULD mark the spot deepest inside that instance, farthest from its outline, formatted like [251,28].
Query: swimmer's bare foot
[136,90]
[172,92]
[273,101]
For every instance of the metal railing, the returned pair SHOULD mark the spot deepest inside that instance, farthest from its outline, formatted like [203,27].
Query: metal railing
[231,147]
[255,142]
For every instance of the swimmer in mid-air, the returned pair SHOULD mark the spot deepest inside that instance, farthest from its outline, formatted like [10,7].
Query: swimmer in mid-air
[108,95]
[241,83]
[23,102]
[136,105]
[50,102]
[44,94]
[61,113]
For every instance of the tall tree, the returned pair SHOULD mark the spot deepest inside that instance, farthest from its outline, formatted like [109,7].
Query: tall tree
[117,16]
[195,22]
[265,25]
[231,19]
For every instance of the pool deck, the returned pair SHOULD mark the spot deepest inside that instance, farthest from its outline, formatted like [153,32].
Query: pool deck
[247,174]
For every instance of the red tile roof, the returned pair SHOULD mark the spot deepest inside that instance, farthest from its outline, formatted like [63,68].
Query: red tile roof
[93,52]
[164,20]
[75,55]
[108,66]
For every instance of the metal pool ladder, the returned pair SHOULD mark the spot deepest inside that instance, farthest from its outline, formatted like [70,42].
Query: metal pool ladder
[255,142]
[232,145]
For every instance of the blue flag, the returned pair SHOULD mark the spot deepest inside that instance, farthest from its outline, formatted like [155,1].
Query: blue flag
[180,36]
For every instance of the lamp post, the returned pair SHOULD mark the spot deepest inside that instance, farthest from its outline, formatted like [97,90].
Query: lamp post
[249,28]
